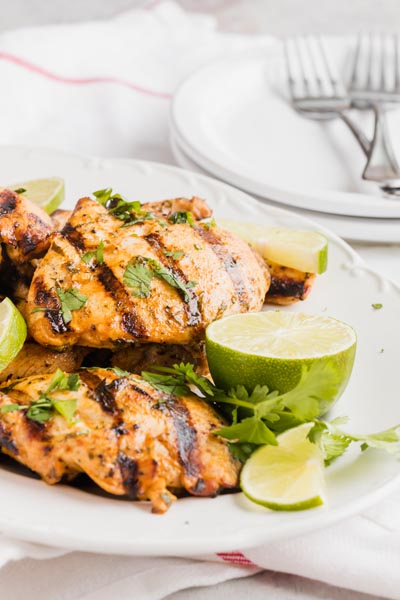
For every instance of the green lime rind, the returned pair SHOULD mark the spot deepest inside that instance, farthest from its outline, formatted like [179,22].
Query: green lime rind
[231,367]
[304,505]
[305,251]
[13,332]
[323,260]
[286,477]
[48,193]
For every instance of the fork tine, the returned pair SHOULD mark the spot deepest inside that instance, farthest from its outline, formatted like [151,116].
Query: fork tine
[301,61]
[369,63]
[355,74]
[289,69]
[314,67]
[383,57]
[396,62]
[337,86]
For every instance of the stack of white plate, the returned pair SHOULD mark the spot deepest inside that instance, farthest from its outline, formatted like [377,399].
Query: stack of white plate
[232,119]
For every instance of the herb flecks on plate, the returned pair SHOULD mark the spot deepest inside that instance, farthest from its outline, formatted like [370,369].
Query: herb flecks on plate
[46,406]
[258,417]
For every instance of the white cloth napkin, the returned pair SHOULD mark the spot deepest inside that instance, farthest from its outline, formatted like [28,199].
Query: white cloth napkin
[104,88]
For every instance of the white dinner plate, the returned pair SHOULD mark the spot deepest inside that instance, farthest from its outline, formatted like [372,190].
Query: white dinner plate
[357,229]
[246,132]
[78,518]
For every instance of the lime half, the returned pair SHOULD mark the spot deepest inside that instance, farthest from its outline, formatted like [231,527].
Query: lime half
[46,193]
[12,332]
[273,347]
[302,250]
[289,476]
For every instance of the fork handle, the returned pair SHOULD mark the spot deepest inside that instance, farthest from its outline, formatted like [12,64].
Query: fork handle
[382,166]
[356,131]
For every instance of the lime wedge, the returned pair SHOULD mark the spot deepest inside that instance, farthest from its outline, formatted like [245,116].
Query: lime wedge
[47,193]
[12,332]
[273,347]
[302,250]
[289,476]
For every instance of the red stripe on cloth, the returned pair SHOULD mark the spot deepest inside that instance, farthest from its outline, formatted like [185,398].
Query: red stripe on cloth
[236,558]
[25,64]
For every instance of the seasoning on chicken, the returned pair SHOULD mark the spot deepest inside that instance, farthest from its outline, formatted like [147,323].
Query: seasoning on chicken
[25,228]
[287,285]
[150,274]
[128,437]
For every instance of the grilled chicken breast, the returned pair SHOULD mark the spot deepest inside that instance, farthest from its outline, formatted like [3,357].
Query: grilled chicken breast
[128,437]
[199,273]
[33,359]
[25,228]
[287,285]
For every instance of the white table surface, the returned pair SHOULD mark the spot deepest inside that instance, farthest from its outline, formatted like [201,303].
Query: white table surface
[50,580]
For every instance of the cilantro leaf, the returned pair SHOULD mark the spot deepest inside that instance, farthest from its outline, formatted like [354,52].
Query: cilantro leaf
[87,257]
[173,280]
[174,255]
[251,430]
[20,190]
[120,208]
[11,408]
[70,300]
[172,385]
[138,276]
[182,216]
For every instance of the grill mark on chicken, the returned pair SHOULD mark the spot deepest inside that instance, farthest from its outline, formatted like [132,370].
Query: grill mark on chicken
[46,299]
[8,202]
[73,236]
[6,441]
[286,287]
[129,473]
[129,318]
[192,308]
[228,261]
[105,394]
[186,436]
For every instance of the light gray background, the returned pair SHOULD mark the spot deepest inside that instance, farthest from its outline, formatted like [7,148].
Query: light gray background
[278,17]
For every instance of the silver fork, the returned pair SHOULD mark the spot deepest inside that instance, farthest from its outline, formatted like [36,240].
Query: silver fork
[375,83]
[316,90]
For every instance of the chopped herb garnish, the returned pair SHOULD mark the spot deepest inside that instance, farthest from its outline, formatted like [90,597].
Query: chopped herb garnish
[70,300]
[174,255]
[197,247]
[20,190]
[46,407]
[182,216]
[210,223]
[377,306]
[122,209]
[138,275]
[162,223]
[258,417]
[99,253]
[88,256]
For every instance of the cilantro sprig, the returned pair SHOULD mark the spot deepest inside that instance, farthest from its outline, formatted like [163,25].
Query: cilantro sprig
[257,417]
[139,274]
[70,300]
[122,209]
[46,406]
[98,255]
